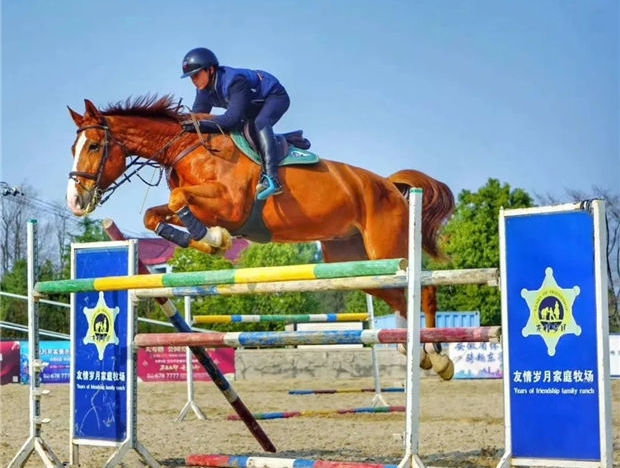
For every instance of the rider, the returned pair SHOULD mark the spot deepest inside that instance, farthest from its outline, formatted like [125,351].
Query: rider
[245,94]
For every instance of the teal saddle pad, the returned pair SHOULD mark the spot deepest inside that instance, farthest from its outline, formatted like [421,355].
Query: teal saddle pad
[294,156]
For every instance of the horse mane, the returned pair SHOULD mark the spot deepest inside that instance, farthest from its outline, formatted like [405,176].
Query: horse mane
[166,107]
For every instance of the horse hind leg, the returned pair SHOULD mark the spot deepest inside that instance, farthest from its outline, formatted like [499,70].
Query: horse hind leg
[386,238]
[430,353]
[352,248]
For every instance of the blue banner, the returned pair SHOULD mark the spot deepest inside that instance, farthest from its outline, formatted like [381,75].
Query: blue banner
[100,349]
[552,336]
[56,354]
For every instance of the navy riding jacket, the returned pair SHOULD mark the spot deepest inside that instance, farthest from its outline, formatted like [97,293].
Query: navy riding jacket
[240,91]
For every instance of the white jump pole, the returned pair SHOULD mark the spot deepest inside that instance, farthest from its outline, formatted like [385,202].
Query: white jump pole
[412,415]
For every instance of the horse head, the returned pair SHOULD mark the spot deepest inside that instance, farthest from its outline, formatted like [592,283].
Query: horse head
[98,160]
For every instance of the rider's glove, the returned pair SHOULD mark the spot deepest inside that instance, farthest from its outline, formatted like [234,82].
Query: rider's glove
[205,126]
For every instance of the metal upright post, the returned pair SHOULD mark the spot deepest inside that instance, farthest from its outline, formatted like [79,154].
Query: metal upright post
[414,270]
[189,369]
[35,442]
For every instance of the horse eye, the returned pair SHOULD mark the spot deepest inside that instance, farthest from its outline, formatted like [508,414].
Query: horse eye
[93,147]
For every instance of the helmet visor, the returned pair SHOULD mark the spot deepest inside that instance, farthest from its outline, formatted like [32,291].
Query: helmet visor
[190,69]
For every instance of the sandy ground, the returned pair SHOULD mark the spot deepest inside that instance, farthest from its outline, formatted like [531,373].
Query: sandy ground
[461,423]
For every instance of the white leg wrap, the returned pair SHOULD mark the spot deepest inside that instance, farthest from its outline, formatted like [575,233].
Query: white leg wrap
[213,237]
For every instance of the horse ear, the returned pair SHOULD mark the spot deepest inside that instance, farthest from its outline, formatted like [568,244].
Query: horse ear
[77,118]
[91,109]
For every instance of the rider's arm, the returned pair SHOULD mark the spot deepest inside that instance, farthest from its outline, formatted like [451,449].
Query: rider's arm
[238,102]
[201,103]
[232,119]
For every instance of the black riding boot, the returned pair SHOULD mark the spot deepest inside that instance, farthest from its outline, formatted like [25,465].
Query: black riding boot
[269,183]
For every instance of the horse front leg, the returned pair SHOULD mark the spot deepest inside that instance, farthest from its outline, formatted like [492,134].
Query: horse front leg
[160,219]
[199,206]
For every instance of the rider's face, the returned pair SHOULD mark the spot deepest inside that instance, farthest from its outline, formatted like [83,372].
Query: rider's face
[201,79]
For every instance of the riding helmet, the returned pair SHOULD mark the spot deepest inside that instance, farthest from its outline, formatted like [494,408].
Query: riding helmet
[198,59]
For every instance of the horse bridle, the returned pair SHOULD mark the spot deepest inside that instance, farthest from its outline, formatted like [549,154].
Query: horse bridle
[108,137]
[97,176]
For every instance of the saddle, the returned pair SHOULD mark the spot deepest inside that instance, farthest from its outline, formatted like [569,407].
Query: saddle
[292,146]
[292,150]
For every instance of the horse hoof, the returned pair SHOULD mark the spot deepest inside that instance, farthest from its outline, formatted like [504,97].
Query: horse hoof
[448,372]
[227,239]
[218,237]
[425,360]
[442,365]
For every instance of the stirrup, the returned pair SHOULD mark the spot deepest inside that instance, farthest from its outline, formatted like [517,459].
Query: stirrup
[267,187]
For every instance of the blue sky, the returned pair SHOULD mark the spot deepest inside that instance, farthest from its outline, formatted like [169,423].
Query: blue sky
[525,92]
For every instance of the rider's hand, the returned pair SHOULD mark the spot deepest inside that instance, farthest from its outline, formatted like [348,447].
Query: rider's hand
[205,126]
[189,127]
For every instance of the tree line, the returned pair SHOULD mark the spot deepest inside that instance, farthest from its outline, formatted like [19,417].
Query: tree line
[470,239]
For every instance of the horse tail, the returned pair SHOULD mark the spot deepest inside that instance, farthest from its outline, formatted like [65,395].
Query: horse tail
[437,204]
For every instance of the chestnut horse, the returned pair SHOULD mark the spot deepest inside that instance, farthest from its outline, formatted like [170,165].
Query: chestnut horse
[354,213]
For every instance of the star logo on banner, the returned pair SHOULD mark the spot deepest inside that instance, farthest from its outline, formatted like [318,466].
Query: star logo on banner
[551,311]
[101,320]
